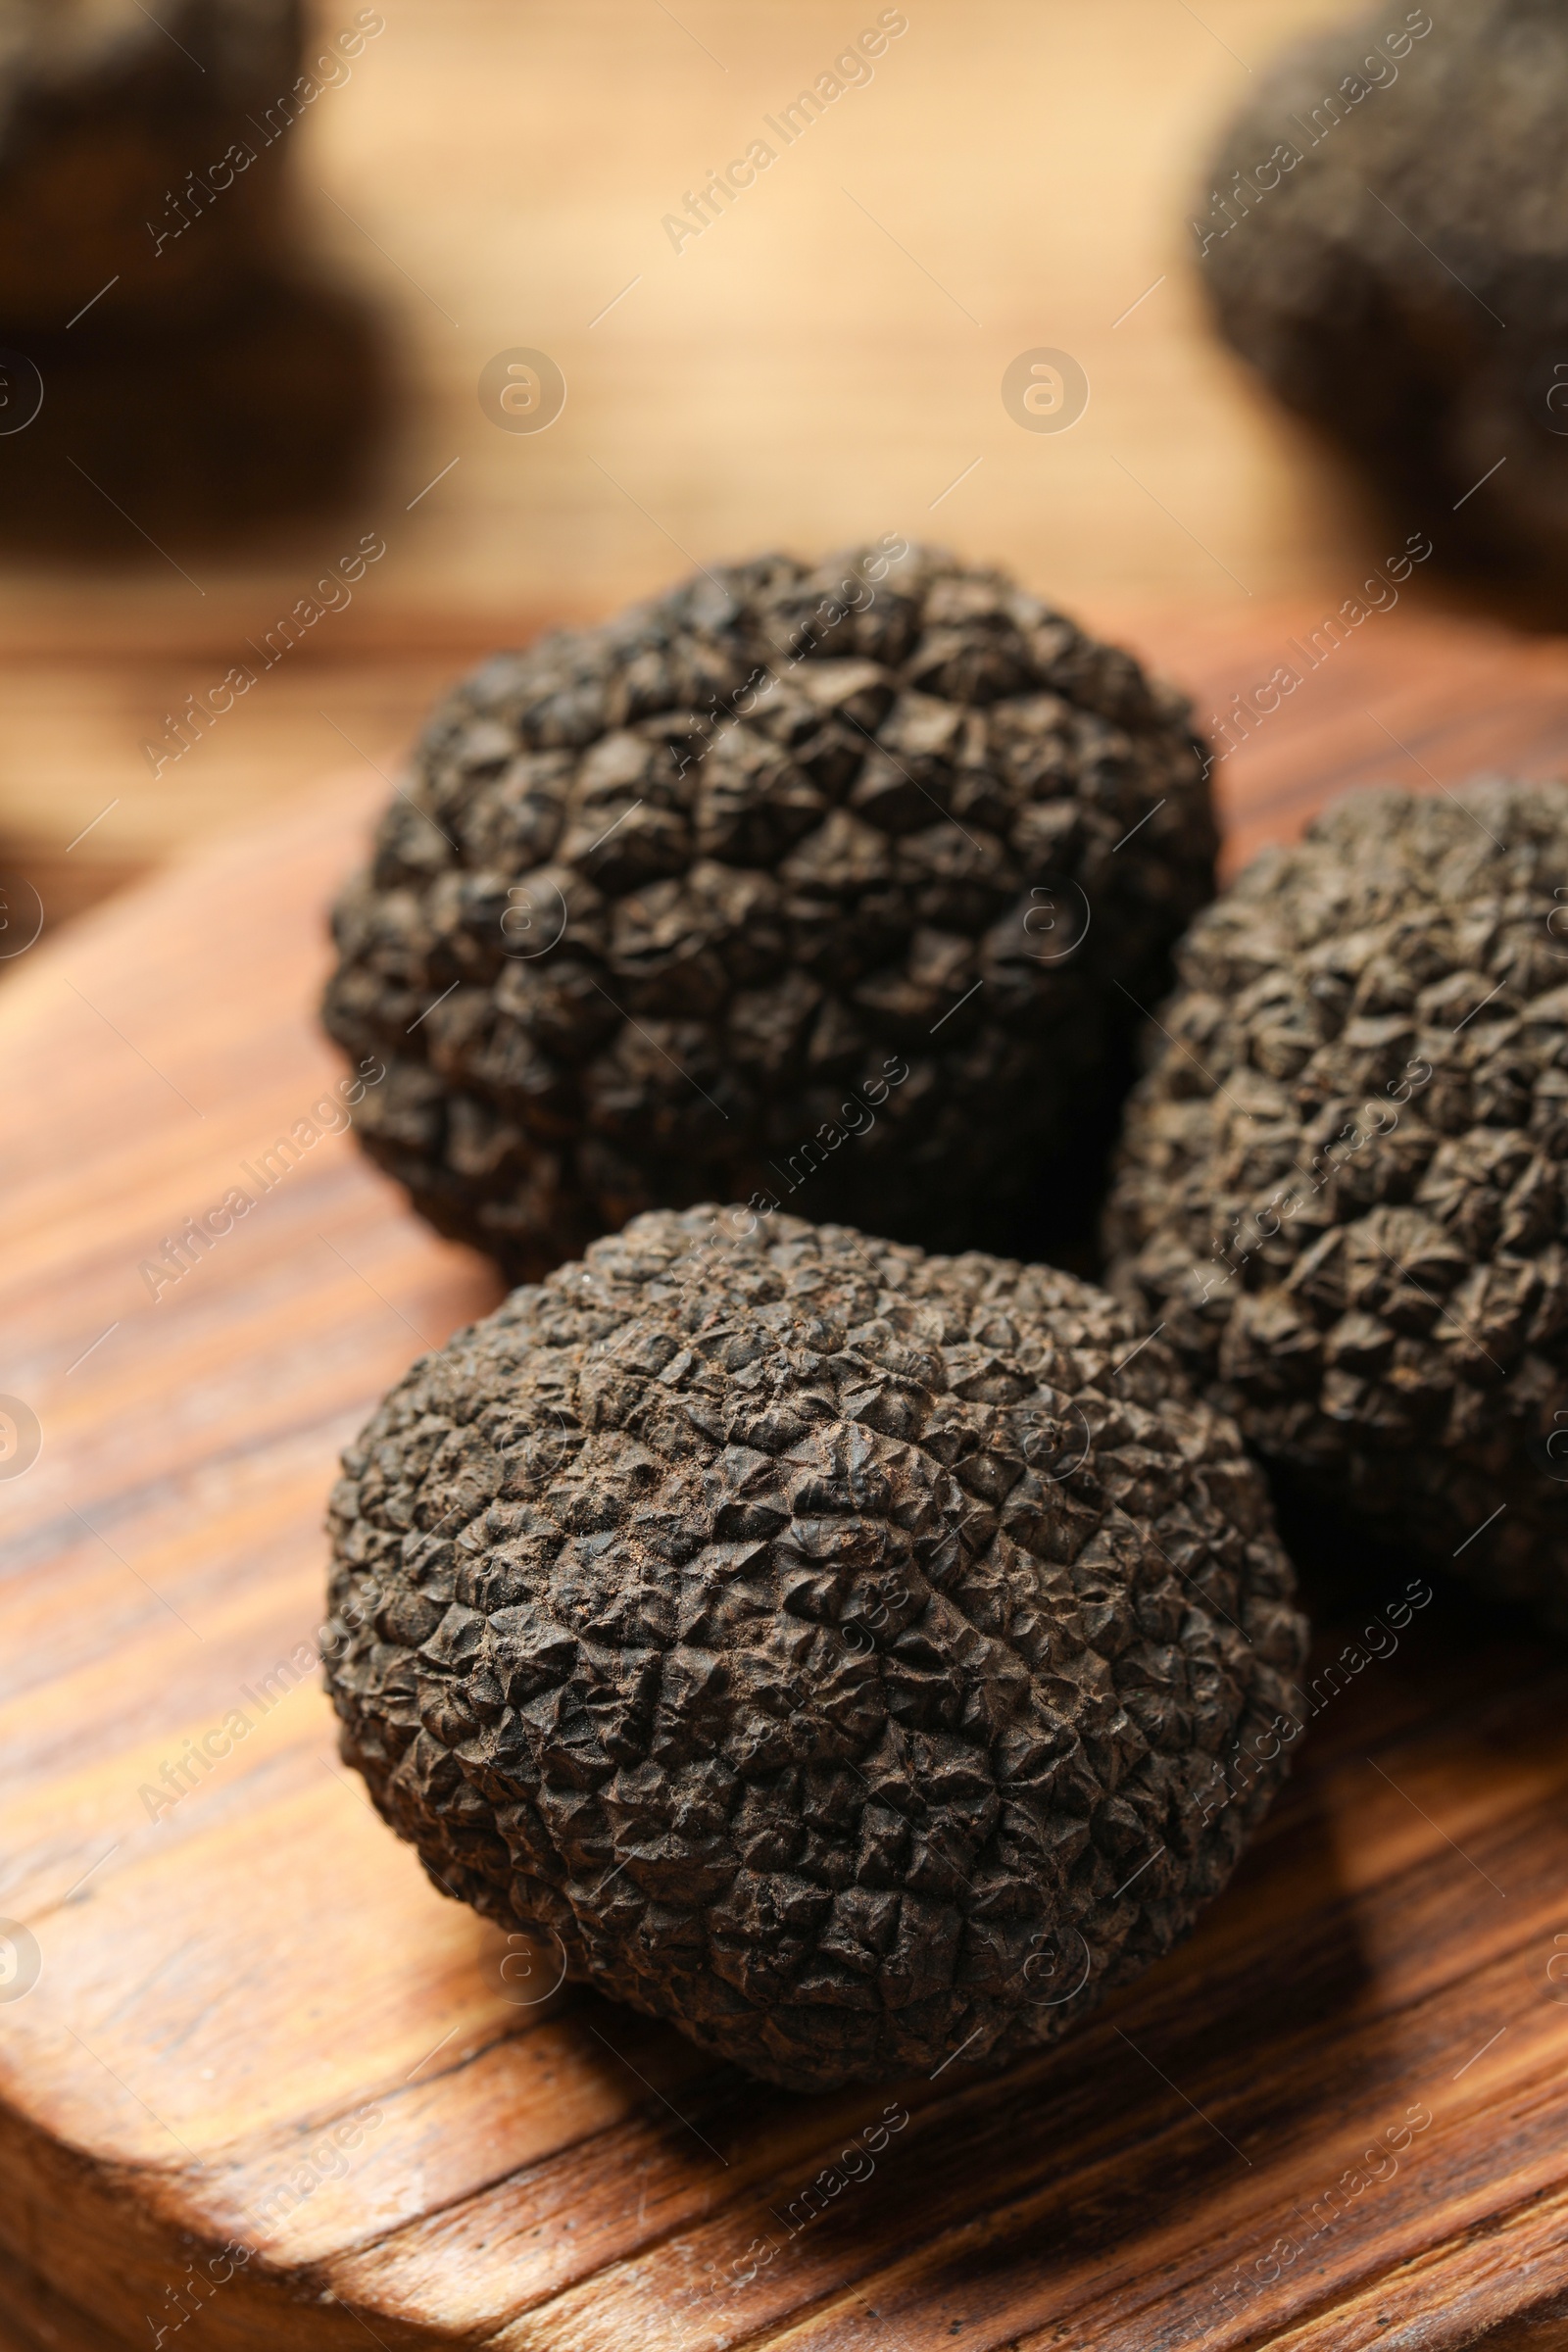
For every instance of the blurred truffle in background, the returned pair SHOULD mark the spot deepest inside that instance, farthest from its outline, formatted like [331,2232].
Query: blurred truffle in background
[166,340]
[1385,239]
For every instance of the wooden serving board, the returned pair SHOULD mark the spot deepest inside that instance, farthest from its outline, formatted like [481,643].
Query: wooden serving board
[259,2085]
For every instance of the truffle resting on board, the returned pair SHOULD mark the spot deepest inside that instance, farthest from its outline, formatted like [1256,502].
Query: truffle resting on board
[843,886]
[1341,1190]
[848,1655]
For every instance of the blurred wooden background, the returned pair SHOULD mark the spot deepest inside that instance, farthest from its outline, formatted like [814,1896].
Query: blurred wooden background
[823,361]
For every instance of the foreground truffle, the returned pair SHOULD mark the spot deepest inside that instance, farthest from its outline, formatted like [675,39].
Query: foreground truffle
[840,888]
[1385,236]
[1341,1193]
[852,1656]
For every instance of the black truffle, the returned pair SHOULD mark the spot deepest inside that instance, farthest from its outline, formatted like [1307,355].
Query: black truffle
[1385,236]
[837,887]
[1340,1192]
[852,1656]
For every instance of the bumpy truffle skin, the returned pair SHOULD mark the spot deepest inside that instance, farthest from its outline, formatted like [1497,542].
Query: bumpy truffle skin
[1384,234]
[847,1654]
[1341,1190]
[836,887]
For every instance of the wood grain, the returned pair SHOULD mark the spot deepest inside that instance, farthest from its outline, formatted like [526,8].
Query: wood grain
[226,1988]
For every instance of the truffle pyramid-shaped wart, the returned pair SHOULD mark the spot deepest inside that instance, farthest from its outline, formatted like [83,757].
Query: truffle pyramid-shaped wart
[1342,1190]
[839,890]
[1383,232]
[853,1656]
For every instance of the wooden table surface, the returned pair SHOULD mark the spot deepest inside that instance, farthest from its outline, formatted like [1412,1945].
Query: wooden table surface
[259,2085]
[254,2026]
